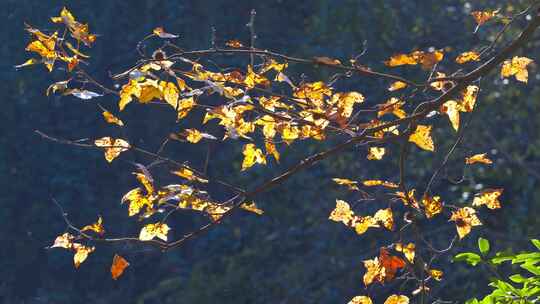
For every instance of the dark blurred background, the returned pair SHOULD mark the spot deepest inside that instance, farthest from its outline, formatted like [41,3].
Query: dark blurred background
[292,254]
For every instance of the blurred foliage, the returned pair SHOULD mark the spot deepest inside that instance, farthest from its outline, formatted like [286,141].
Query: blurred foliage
[292,254]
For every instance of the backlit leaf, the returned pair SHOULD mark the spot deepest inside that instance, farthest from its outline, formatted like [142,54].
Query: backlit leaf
[422,137]
[376,153]
[432,205]
[397,85]
[360,300]
[436,274]
[467,56]
[110,118]
[251,207]
[342,212]
[516,67]
[118,266]
[397,299]
[408,251]
[465,219]
[488,197]
[234,44]
[352,185]
[97,227]
[252,155]
[451,108]
[150,231]
[81,253]
[478,158]
[112,147]
[482,17]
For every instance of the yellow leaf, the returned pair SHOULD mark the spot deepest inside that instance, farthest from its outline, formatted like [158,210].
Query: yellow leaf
[146,181]
[252,207]
[467,56]
[362,223]
[352,185]
[342,212]
[376,153]
[193,135]
[132,88]
[189,175]
[273,65]
[112,147]
[252,155]
[28,62]
[150,231]
[270,148]
[422,137]
[377,182]
[253,79]
[64,241]
[110,118]
[97,227]
[451,108]
[465,219]
[184,106]
[392,105]
[478,158]
[397,85]
[385,217]
[408,199]
[408,251]
[234,44]
[118,266]
[426,59]
[360,300]
[81,253]
[482,17]
[397,299]
[469,99]
[516,67]
[489,197]
[170,93]
[436,274]
[440,85]
[432,205]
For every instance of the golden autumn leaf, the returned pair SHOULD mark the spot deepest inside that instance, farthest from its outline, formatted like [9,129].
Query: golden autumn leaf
[517,67]
[189,175]
[360,300]
[342,212]
[270,148]
[112,147]
[432,205]
[97,227]
[440,84]
[64,241]
[110,118]
[467,56]
[136,200]
[397,85]
[392,105]
[451,108]
[378,182]
[488,197]
[326,60]
[252,155]
[150,231]
[161,33]
[426,59]
[272,64]
[374,271]
[252,207]
[376,153]
[408,251]
[235,44]
[409,199]
[352,185]
[478,158]
[385,217]
[465,219]
[28,62]
[390,264]
[436,274]
[314,91]
[482,17]
[78,30]
[118,266]
[81,253]
[253,79]
[397,299]
[468,99]
[132,88]
[422,137]
[362,223]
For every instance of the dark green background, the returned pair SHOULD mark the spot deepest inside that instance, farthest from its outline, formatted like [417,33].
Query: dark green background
[292,254]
